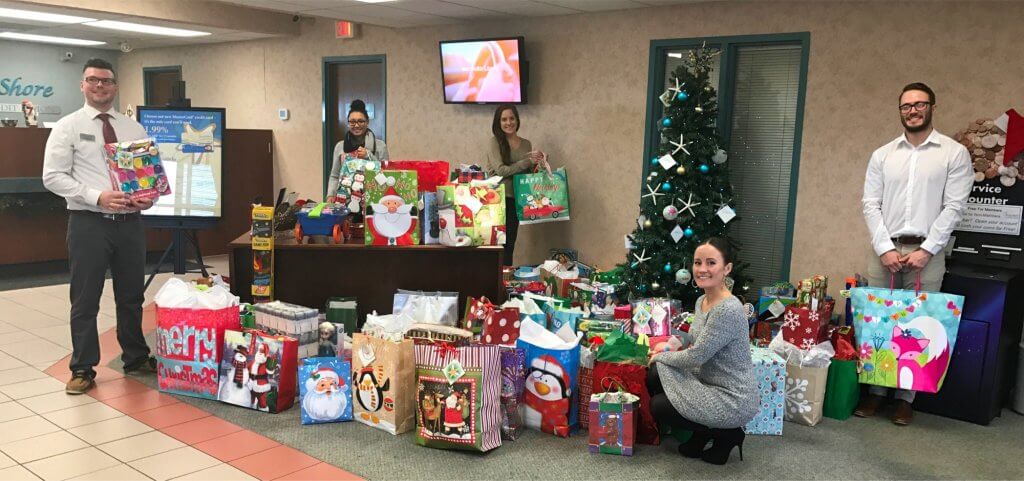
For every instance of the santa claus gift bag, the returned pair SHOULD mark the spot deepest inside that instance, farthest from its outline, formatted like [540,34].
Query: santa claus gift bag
[267,382]
[552,365]
[383,383]
[391,219]
[458,395]
[324,390]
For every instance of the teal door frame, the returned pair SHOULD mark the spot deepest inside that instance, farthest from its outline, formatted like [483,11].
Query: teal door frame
[328,149]
[727,45]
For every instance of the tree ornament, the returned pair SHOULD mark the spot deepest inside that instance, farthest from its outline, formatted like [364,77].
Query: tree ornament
[720,157]
[682,96]
[654,161]
[707,88]
[688,205]
[670,212]
[704,168]
[654,173]
[666,186]
[655,286]
[680,170]
[698,109]
[647,223]
[667,122]
[681,145]
[652,193]
[668,268]
[683,276]
[688,232]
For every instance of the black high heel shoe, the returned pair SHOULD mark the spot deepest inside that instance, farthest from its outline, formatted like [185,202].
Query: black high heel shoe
[723,440]
[694,447]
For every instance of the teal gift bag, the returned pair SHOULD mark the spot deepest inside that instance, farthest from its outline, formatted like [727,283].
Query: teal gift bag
[905,338]
[542,196]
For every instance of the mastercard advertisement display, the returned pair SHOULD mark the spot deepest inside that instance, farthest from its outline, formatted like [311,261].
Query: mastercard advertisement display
[483,71]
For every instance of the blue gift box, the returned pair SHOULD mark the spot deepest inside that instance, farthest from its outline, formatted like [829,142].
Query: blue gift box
[770,372]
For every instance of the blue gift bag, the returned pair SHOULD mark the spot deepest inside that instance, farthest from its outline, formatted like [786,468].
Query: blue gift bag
[552,366]
[324,390]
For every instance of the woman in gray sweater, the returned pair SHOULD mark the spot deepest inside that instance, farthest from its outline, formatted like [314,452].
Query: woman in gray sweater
[708,388]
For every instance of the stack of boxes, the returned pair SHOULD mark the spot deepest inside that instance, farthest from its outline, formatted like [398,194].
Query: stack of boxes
[283,319]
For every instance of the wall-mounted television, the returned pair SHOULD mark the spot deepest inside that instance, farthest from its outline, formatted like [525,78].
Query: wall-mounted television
[484,71]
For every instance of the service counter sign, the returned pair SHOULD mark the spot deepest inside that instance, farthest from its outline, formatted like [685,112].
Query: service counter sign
[990,231]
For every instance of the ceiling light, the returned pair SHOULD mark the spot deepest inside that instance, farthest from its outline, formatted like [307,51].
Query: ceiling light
[49,39]
[42,16]
[141,28]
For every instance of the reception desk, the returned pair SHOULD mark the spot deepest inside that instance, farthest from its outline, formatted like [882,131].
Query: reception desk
[309,274]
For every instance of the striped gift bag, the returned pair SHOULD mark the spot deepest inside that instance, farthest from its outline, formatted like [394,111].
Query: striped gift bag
[458,395]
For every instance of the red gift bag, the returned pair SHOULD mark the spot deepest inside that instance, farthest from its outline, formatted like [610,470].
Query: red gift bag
[188,349]
[805,328]
[272,381]
[501,327]
[633,379]
[477,311]
[429,173]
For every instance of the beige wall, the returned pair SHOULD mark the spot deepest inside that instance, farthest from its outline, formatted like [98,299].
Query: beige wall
[588,99]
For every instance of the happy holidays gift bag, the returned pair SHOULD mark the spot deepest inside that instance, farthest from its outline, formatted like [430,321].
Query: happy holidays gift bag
[325,390]
[513,378]
[268,372]
[770,373]
[542,196]
[458,394]
[383,383]
[189,333]
[391,198]
[905,337]
[552,365]
[614,426]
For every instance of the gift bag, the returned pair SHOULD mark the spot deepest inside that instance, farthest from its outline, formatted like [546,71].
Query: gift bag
[842,390]
[430,222]
[429,173]
[353,177]
[325,390]
[557,277]
[477,311]
[542,196]
[552,365]
[633,379]
[343,310]
[805,393]
[770,372]
[653,317]
[427,307]
[596,331]
[614,426]
[383,379]
[513,378]
[804,327]
[562,318]
[586,386]
[622,348]
[268,378]
[391,197]
[458,392]
[502,327]
[478,211]
[905,337]
[528,309]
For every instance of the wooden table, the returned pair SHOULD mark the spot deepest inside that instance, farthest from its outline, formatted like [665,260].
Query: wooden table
[309,274]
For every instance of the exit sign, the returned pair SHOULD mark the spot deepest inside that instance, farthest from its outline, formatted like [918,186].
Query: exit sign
[343,29]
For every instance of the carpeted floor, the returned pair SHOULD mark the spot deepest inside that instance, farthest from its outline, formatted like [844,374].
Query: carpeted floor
[932,448]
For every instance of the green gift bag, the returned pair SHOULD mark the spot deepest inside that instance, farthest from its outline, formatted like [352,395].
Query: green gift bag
[542,196]
[621,348]
[342,310]
[842,390]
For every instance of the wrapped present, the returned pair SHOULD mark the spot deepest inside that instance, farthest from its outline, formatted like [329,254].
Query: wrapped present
[325,390]
[472,213]
[843,343]
[501,327]
[557,277]
[429,173]
[552,367]
[513,379]
[855,280]
[427,307]
[298,322]
[354,175]
[562,317]
[343,310]
[383,378]
[477,311]
[771,308]
[779,289]
[188,337]
[430,222]
[614,422]
[458,394]
[596,331]
[391,197]
[585,387]
[514,287]
[631,378]
[431,333]
[906,338]
[842,390]
[268,365]
[770,372]
[804,327]
[761,333]
[526,273]
[468,173]
[135,169]
[542,196]
[613,276]
[653,317]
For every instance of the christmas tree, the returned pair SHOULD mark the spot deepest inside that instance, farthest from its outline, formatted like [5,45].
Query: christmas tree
[686,195]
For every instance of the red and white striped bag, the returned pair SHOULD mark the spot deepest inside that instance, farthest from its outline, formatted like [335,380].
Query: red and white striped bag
[458,396]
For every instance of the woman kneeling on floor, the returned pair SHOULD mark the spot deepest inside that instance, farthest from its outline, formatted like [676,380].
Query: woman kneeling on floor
[708,388]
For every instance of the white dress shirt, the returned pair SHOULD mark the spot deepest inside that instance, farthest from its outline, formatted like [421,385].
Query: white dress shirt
[916,191]
[74,163]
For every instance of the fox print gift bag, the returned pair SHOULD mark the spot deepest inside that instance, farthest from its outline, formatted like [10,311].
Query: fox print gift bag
[905,338]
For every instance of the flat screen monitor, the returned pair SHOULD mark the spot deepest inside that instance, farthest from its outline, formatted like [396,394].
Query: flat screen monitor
[191,143]
[484,71]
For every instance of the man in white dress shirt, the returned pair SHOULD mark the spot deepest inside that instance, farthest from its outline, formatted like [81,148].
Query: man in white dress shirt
[915,191]
[104,226]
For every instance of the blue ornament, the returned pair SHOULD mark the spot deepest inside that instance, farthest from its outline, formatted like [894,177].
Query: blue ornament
[688,232]
[667,122]
[668,267]
[682,96]
[666,187]
[704,168]
[654,161]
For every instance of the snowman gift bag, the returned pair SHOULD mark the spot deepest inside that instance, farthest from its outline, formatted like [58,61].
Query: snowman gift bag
[458,396]
[324,390]
[383,375]
[552,366]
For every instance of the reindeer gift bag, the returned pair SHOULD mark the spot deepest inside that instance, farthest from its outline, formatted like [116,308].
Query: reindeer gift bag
[383,387]
[905,338]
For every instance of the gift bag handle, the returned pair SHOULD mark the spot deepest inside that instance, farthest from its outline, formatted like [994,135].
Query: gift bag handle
[614,382]
[917,283]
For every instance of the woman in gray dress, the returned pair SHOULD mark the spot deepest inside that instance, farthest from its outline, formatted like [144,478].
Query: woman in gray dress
[708,388]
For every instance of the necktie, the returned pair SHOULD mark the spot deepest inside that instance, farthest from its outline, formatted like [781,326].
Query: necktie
[109,136]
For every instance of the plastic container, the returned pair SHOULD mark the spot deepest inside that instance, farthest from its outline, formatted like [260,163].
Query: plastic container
[328,223]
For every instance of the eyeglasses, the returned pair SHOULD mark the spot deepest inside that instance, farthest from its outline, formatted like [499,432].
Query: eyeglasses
[97,80]
[357,122]
[918,106]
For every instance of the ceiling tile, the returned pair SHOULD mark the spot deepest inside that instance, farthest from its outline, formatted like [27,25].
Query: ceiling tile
[443,8]
[526,8]
[595,5]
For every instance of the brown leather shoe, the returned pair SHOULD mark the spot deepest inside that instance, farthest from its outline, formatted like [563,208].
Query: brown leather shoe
[868,406]
[80,382]
[904,413]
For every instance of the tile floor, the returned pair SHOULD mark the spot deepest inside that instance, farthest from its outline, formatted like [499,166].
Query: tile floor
[121,430]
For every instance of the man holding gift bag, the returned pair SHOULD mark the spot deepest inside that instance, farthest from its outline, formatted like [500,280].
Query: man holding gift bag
[915,190]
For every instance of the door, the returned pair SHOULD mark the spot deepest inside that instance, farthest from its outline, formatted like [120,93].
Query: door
[347,79]
[158,84]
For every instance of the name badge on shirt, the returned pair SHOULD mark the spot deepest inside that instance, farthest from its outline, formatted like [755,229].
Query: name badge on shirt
[87,137]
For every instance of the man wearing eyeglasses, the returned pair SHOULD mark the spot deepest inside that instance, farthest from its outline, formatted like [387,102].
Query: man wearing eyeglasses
[915,190]
[104,226]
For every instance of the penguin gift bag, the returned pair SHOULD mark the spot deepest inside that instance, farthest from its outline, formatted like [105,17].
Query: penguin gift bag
[383,383]
[552,366]
[324,390]
[458,395]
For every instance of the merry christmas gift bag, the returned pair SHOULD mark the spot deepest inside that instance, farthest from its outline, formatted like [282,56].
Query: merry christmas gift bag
[458,395]
[905,337]
[324,390]
[552,365]
[391,198]
[383,383]
[542,196]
